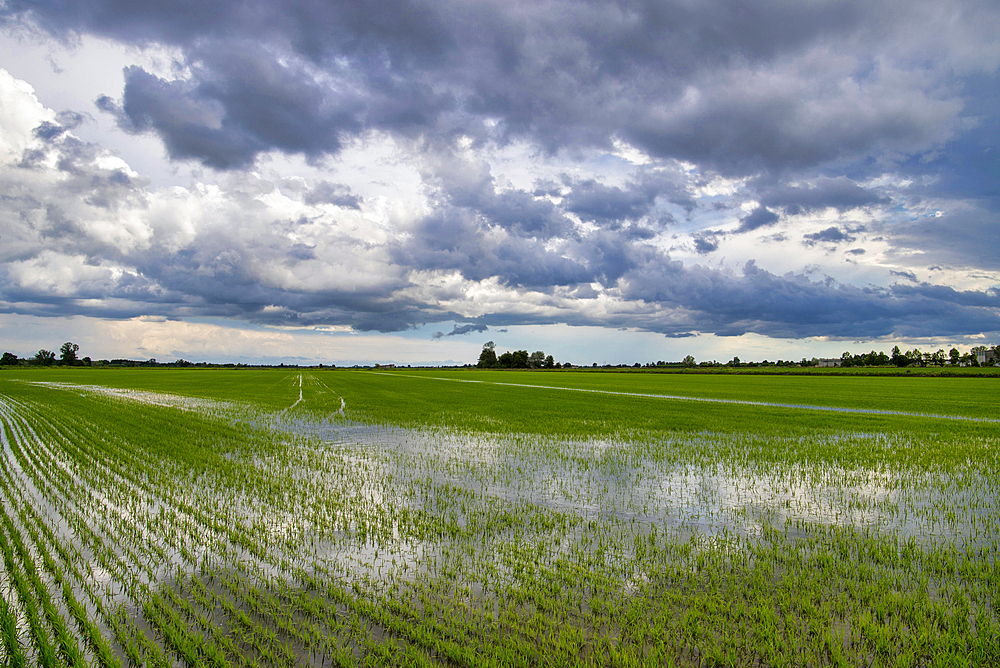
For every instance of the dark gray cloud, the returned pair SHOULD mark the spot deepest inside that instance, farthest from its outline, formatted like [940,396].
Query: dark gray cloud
[966,166]
[840,193]
[833,235]
[611,206]
[726,85]
[466,329]
[65,121]
[472,189]
[597,202]
[456,239]
[220,121]
[759,217]
[705,243]
[793,306]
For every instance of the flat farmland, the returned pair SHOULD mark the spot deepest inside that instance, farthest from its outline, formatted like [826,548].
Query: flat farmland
[317,517]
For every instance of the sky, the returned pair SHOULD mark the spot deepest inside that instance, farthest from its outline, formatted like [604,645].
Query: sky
[401,181]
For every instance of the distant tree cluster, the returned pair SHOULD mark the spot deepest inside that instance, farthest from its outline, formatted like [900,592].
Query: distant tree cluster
[67,357]
[517,359]
[978,356]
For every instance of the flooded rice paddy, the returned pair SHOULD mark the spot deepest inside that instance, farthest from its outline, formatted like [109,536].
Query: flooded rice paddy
[149,527]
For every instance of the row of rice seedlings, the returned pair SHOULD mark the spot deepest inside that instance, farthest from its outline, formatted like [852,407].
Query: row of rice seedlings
[86,622]
[40,637]
[42,540]
[16,555]
[69,559]
[14,654]
[21,564]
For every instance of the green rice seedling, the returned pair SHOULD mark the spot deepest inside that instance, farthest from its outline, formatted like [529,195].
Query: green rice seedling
[9,636]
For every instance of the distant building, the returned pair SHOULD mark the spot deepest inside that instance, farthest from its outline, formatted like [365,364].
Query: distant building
[988,356]
[829,361]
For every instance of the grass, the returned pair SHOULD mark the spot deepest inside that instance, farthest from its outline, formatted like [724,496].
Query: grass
[314,517]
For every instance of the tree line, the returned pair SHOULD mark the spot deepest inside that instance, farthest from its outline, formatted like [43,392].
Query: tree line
[916,357]
[67,357]
[954,357]
[520,359]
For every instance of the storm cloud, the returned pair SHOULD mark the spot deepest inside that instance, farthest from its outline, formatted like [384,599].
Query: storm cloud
[486,163]
[732,86]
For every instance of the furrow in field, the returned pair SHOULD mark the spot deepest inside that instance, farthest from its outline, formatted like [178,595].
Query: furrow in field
[343,404]
[297,401]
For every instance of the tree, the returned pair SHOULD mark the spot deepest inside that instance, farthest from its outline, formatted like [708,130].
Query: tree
[488,358]
[898,358]
[688,361]
[8,359]
[520,359]
[67,353]
[45,357]
[550,362]
[954,357]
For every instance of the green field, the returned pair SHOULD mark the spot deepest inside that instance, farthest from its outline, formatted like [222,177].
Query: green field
[315,517]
